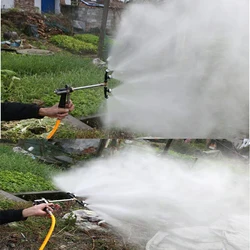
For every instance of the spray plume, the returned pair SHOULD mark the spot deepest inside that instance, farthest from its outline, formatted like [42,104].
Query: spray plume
[183,66]
[138,189]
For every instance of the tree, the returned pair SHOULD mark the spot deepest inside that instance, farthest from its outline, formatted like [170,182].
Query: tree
[103,28]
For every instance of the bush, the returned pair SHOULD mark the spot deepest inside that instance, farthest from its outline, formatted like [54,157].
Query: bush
[88,38]
[73,44]
[14,181]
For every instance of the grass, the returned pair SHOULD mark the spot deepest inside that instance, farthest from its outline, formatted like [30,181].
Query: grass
[41,75]
[21,173]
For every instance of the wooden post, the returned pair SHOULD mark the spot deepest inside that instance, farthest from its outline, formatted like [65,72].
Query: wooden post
[103,29]
[167,146]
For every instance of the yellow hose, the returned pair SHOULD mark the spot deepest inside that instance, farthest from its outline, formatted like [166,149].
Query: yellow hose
[53,223]
[54,129]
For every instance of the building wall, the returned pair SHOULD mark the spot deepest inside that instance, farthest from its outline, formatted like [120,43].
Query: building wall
[38,4]
[6,4]
[86,19]
[25,4]
[57,7]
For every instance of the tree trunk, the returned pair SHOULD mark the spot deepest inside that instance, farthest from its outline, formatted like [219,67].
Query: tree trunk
[103,28]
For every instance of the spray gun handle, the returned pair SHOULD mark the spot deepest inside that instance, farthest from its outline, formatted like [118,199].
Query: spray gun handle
[41,201]
[65,96]
[62,101]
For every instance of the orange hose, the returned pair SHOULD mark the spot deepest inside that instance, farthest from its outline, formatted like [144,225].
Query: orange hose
[53,223]
[54,129]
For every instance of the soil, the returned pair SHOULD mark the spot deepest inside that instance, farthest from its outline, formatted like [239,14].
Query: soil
[30,234]
[74,239]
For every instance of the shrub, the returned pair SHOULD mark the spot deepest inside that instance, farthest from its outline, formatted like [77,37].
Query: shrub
[14,181]
[73,44]
[88,38]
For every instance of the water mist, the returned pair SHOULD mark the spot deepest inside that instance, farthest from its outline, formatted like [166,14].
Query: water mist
[138,190]
[183,66]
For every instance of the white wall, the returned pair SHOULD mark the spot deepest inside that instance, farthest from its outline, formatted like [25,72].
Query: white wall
[38,4]
[57,7]
[6,4]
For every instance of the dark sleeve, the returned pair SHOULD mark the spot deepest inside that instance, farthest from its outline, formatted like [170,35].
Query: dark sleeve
[11,215]
[14,111]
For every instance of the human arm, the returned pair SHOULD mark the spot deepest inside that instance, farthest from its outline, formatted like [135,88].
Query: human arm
[11,111]
[7,216]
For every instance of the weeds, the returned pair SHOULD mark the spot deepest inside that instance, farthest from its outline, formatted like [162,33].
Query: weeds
[74,45]
[21,173]
[41,75]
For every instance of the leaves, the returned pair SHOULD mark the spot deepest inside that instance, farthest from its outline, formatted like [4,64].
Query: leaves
[88,38]
[73,44]
[13,181]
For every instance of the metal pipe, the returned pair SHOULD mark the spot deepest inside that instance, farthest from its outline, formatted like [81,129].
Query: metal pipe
[89,86]
[62,200]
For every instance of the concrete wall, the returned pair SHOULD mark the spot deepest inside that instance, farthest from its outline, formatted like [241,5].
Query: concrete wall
[6,4]
[25,4]
[57,7]
[86,19]
[38,4]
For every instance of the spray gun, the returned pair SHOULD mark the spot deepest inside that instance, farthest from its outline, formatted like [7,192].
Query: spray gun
[72,198]
[65,96]
[65,92]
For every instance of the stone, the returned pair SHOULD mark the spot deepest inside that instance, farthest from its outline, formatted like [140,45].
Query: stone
[79,25]
[77,146]
[62,247]
[64,159]
[87,220]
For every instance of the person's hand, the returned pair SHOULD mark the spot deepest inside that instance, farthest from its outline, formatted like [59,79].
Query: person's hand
[37,210]
[56,112]
[70,106]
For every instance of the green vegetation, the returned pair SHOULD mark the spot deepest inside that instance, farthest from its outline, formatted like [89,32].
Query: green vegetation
[88,38]
[19,173]
[14,181]
[41,75]
[74,45]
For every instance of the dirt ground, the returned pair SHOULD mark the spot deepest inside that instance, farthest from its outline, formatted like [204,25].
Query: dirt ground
[30,234]
[74,239]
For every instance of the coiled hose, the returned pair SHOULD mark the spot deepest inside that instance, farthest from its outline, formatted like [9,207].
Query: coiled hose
[53,223]
[52,132]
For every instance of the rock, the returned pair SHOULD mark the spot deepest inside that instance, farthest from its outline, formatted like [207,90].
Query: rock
[62,247]
[87,220]
[79,25]
[64,159]
[22,151]
[98,62]
[12,245]
[78,146]
[75,123]
[10,196]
